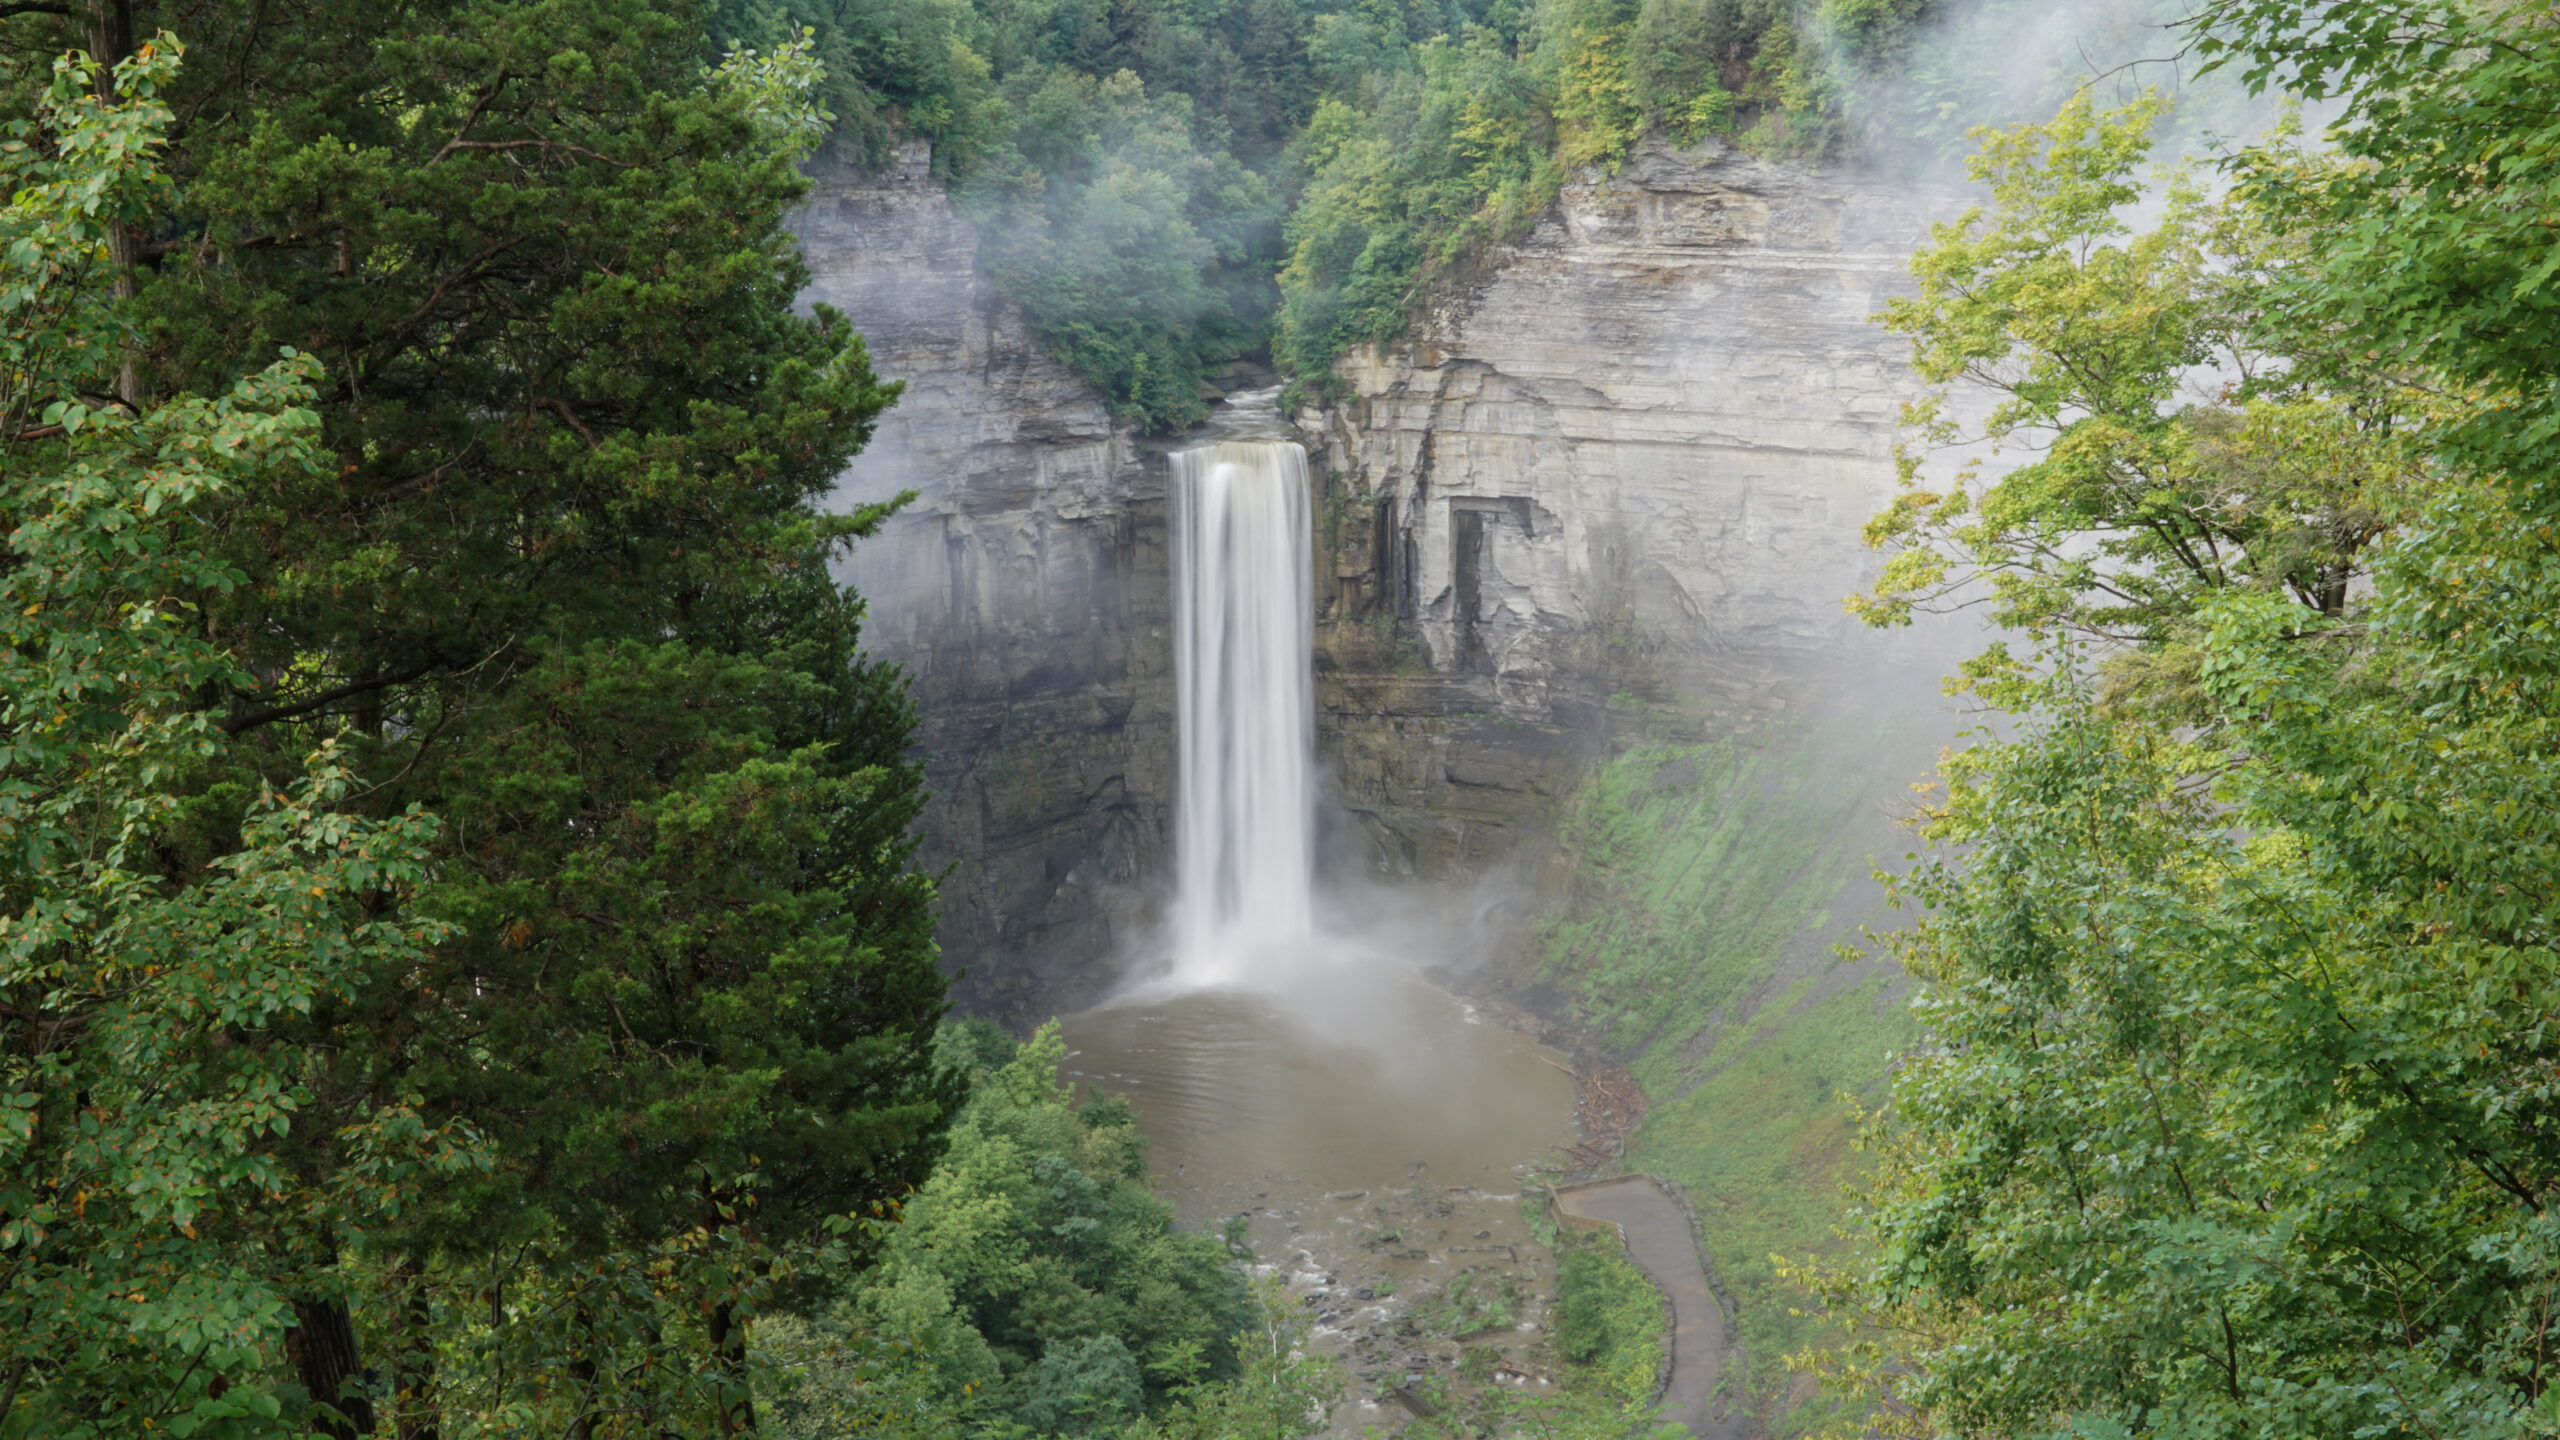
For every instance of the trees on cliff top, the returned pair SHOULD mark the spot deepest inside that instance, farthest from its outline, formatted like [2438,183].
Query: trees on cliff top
[1130,163]
[505,1117]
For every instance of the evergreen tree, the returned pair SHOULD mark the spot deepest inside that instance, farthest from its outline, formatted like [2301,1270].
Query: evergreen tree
[560,580]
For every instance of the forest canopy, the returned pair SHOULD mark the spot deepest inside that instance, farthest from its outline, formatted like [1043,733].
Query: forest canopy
[1169,187]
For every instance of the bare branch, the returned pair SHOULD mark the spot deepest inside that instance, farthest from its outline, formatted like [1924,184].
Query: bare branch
[571,416]
[473,118]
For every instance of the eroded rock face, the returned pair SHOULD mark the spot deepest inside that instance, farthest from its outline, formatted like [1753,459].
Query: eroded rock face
[1619,479]
[1025,589]
[1614,485]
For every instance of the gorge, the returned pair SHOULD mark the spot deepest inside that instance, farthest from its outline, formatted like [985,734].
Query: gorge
[1133,720]
[1629,466]
[1580,544]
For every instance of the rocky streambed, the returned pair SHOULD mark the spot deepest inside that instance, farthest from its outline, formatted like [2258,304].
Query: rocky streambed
[1377,1135]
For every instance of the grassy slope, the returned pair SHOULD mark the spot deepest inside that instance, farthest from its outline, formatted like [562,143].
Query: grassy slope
[1712,884]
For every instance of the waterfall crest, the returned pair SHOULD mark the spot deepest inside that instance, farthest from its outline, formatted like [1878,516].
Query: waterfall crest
[1244,819]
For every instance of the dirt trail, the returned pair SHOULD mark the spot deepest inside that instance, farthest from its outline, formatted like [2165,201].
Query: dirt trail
[1659,1242]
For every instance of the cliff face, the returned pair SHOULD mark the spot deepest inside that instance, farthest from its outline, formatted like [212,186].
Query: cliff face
[1613,486]
[1620,476]
[1025,588]
[1583,538]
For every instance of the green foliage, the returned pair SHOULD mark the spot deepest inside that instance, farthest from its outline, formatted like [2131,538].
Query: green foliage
[1082,1386]
[1115,159]
[1128,244]
[1473,1301]
[1280,1393]
[152,1218]
[2433,250]
[2236,1116]
[1035,1277]
[1449,155]
[1609,1320]
[542,560]
[2083,334]
[2208,1102]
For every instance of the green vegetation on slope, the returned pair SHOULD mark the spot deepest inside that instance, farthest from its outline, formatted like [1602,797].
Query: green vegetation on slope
[1712,883]
[1609,1320]
[1764,1149]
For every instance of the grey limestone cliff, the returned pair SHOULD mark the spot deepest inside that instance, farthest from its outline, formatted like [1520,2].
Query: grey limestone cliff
[1024,588]
[1621,473]
[1626,467]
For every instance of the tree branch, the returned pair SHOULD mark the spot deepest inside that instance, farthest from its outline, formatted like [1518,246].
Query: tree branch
[571,416]
[423,481]
[452,145]
[9,1395]
[255,718]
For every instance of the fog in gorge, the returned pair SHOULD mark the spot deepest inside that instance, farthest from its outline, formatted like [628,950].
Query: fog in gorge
[1201,719]
[1363,777]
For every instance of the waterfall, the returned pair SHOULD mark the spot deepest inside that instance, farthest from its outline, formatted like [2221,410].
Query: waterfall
[1244,822]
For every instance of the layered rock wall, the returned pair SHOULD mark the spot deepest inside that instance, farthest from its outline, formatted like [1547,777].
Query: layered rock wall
[1615,483]
[1618,480]
[1025,589]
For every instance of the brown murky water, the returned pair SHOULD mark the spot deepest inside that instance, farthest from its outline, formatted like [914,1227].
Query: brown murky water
[1365,1081]
[1376,1132]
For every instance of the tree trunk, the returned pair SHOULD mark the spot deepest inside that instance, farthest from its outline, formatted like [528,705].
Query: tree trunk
[110,39]
[110,44]
[414,1381]
[729,1351]
[584,1375]
[322,1347]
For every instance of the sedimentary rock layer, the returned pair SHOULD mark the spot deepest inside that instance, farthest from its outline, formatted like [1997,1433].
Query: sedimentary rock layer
[1621,473]
[1025,588]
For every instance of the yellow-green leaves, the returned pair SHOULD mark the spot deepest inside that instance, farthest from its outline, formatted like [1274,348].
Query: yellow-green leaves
[2119,427]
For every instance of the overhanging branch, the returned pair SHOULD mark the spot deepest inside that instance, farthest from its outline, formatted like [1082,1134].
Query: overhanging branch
[237,724]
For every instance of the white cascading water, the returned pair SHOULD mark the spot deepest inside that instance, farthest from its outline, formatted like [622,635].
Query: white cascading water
[1244,822]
